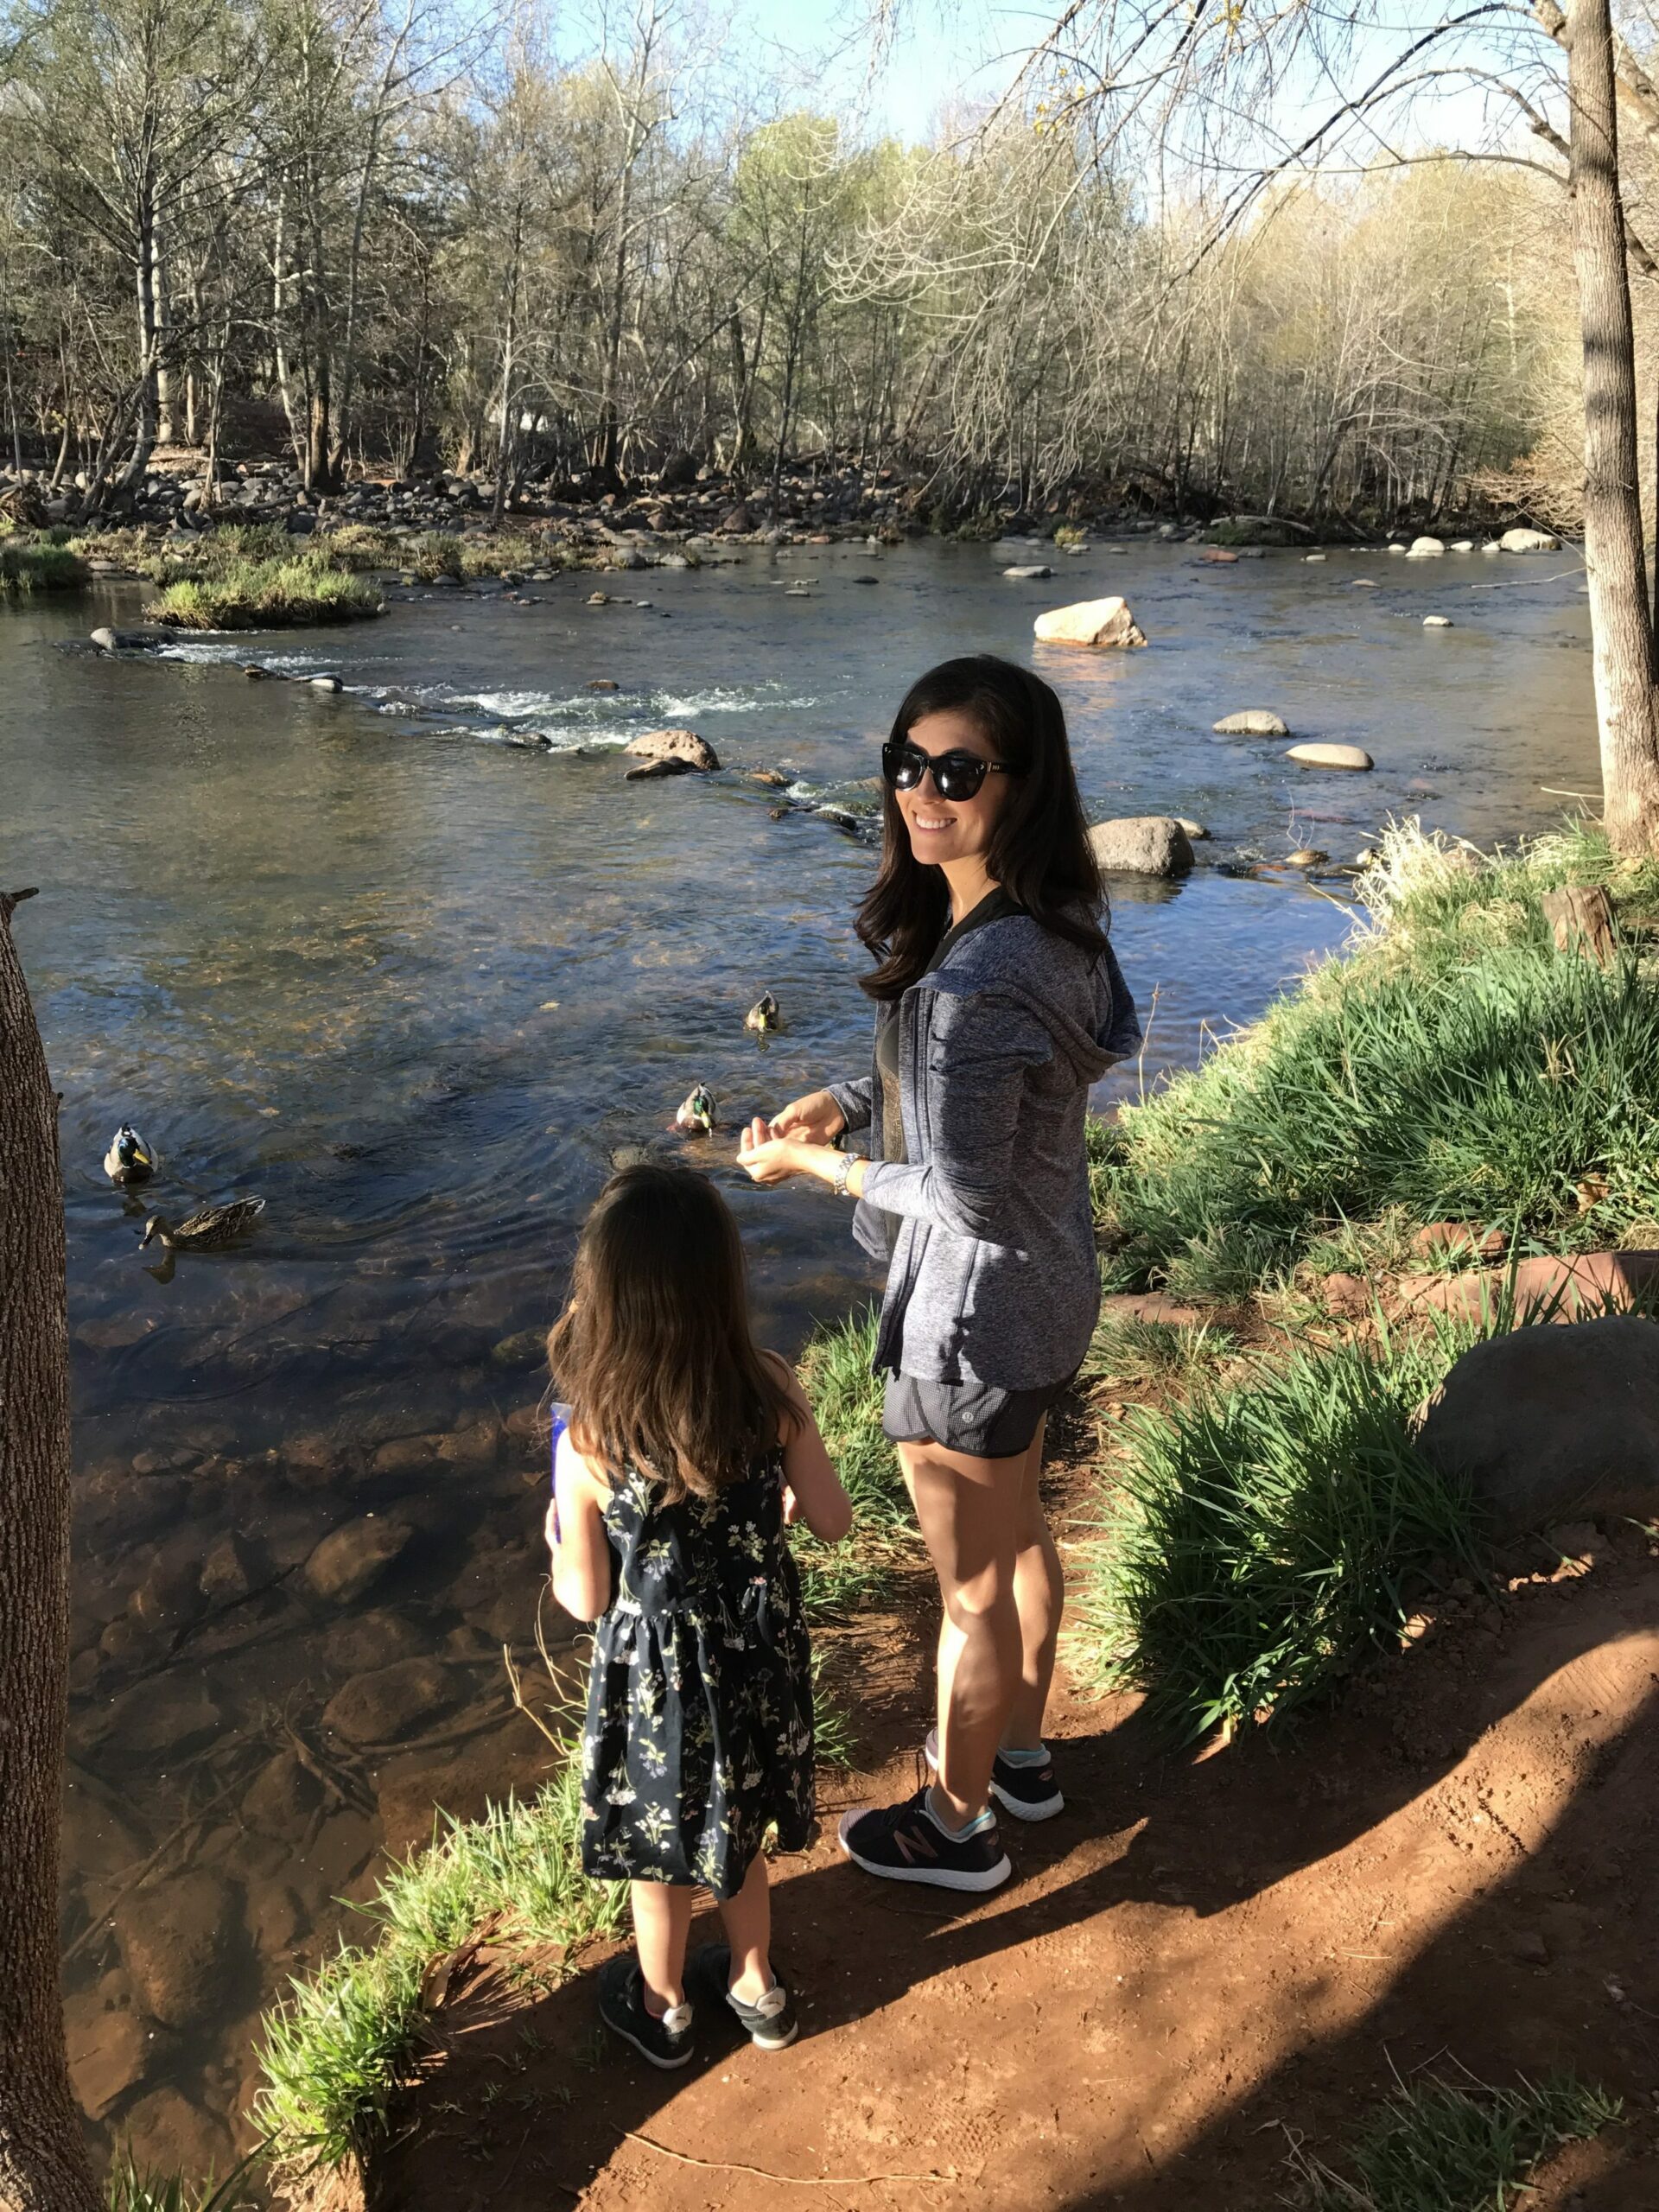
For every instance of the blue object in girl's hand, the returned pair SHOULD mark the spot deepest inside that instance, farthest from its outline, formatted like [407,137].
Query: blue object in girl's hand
[560,1418]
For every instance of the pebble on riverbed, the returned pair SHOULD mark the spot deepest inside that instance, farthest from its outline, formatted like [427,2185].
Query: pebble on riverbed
[1331,756]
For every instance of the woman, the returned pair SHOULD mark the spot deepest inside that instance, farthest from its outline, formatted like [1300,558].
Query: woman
[998,1004]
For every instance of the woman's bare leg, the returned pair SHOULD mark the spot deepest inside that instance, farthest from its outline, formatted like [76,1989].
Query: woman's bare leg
[662,1922]
[747,1921]
[1039,1599]
[970,1513]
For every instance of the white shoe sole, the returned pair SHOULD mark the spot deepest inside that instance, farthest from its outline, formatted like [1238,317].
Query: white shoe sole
[941,1877]
[1049,1808]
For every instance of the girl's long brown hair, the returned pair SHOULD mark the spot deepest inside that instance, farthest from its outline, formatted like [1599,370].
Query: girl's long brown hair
[655,1352]
[1039,852]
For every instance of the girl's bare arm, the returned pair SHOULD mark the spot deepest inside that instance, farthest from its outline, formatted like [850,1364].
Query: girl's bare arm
[575,1536]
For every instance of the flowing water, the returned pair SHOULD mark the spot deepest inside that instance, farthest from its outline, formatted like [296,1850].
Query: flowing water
[369,955]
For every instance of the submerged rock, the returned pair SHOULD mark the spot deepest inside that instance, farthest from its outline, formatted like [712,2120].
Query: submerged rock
[1424,549]
[1529,541]
[1100,622]
[180,1937]
[345,1564]
[390,1702]
[1141,844]
[653,771]
[1437,621]
[1030,572]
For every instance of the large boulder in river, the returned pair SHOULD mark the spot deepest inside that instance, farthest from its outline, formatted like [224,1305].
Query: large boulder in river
[1553,1424]
[673,744]
[1527,541]
[1103,622]
[389,1703]
[1425,549]
[181,1937]
[1141,844]
[1252,721]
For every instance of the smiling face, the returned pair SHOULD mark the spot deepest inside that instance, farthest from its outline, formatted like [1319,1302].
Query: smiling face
[946,830]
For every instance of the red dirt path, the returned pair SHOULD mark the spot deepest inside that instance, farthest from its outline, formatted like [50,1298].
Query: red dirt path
[1204,1960]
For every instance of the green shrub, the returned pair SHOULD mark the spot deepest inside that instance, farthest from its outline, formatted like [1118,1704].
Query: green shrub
[335,2053]
[253,593]
[1265,1534]
[129,2189]
[846,1398]
[41,565]
[1435,2147]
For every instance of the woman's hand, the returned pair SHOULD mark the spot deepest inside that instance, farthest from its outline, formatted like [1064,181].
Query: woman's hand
[816,1119]
[773,1160]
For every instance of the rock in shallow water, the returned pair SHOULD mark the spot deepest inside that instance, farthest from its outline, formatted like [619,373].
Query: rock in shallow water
[392,1702]
[1106,623]
[345,1564]
[181,1937]
[1331,756]
[1252,721]
[1141,844]
[683,746]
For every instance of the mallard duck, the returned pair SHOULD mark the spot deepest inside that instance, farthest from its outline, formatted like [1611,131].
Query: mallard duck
[763,1014]
[698,1111]
[207,1231]
[129,1159]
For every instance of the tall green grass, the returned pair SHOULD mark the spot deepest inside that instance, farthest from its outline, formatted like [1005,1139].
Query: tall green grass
[1266,1534]
[1455,1065]
[40,565]
[845,1399]
[1440,2147]
[266,593]
[335,2053]
[129,2188]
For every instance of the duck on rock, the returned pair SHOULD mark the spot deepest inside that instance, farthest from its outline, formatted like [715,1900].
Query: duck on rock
[210,1231]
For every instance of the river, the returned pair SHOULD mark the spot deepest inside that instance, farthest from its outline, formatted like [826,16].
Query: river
[417,985]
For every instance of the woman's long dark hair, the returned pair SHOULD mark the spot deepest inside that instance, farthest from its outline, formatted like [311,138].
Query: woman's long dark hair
[1039,852]
[655,1352]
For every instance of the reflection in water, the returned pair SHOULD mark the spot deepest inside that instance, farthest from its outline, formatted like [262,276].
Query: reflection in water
[417,985]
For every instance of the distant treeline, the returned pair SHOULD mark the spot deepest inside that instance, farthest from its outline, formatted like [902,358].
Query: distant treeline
[393,238]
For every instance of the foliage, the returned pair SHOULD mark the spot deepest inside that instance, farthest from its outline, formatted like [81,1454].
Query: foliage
[335,2052]
[1456,1065]
[1265,1534]
[129,2189]
[1440,2147]
[1175,1354]
[266,594]
[846,1398]
[26,568]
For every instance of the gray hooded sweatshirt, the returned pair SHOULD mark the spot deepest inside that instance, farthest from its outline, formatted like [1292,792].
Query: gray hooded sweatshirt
[993,1275]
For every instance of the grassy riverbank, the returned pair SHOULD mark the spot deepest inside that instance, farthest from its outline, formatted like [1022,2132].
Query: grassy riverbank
[29,565]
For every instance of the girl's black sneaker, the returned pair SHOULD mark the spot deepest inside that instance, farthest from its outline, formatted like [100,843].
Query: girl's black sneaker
[1030,1791]
[667,2043]
[770,2023]
[905,1843]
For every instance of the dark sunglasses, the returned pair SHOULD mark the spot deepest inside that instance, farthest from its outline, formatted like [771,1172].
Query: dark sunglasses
[956,775]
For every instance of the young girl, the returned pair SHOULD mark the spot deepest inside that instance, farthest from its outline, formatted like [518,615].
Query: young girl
[685,1452]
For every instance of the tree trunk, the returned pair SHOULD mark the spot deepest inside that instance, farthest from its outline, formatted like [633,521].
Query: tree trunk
[1620,617]
[43,2166]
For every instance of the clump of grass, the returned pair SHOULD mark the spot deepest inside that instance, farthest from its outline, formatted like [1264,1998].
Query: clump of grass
[1434,1072]
[259,593]
[1070,534]
[126,2189]
[335,2053]
[493,555]
[35,566]
[1440,2147]
[1178,1355]
[832,1726]
[1265,1534]
[846,1398]
[360,545]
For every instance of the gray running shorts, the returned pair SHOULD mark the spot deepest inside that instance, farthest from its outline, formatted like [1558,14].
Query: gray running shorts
[975,1418]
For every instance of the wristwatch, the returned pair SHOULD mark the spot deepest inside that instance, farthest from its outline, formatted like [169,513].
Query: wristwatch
[843,1169]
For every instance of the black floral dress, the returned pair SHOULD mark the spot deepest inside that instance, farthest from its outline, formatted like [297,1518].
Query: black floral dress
[699,1731]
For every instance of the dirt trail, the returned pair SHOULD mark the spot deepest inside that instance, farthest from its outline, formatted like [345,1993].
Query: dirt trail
[1200,1960]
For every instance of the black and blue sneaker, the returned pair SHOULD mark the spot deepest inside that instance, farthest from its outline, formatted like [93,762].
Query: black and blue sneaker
[907,1843]
[770,2022]
[667,2042]
[1025,1787]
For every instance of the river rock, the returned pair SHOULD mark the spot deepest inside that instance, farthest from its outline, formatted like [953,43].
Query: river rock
[282,1797]
[674,745]
[1196,834]
[1553,1424]
[233,1569]
[169,1598]
[1031,574]
[392,1702]
[365,1641]
[1141,844]
[1331,756]
[181,1937]
[651,771]
[345,1564]
[1102,622]
[326,683]
[1462,545]
[1309,856]
[1529,541]
[109,2052]
[1424,549]
[104,639]
[1437,621]
[1251,721]
[737,522]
